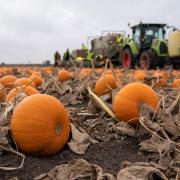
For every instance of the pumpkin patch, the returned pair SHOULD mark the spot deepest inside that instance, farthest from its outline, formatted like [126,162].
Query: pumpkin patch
[50,116]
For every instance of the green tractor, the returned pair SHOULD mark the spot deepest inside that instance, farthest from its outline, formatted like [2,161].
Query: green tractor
[147,48]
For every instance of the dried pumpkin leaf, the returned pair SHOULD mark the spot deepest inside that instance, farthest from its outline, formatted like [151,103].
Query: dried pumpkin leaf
[80,140]
[123,129]
[77,169]
[145,172]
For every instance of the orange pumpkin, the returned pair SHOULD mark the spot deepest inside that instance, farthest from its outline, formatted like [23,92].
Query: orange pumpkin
[36,73]
[25,82]
[162,81]
[176,83]
[2,93]
[159,74]
[84,73]
[176,74]
[40,125]
[99,71]
[38,81]
[28,90]
[48,70]
[63,75]
[140,75]
[104,84]
[7,70]
[129,99]
[8,81]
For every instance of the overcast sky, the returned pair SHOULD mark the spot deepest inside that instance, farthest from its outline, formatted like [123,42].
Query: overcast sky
[32,30]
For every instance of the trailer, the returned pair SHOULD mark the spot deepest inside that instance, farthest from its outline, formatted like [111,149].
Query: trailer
[108,46]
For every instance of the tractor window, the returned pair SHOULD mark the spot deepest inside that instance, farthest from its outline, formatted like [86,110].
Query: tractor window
[161,34]
[154,33]
[149,32]
[136,37]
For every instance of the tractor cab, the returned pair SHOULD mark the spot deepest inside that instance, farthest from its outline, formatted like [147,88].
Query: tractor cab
[144,34]
[147,48]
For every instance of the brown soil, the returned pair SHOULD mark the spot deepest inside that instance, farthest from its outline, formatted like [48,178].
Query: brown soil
[109,155]
[111,151]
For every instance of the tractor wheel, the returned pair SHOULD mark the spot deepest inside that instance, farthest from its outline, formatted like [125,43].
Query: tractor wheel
[127,59]
[164,62]
[147,60]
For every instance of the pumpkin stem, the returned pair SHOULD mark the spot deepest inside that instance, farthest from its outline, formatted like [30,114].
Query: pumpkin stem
[101,103]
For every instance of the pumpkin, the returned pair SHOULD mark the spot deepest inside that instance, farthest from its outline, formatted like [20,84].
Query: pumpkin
[99,71]
[2,93]
[84,73]
[162,81]
[128,101]
[40,125]
[159,74]
[63,75]
[38,81]
[25,81]
[140,75]
[176,74]
[6,70]
[48,70]
[28,90]
[104,84]
[119,74]
[176,83]
[36,73]
[8,81]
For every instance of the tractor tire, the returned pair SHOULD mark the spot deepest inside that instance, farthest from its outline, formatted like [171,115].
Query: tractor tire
[127,59]
[175,62]
[147,60]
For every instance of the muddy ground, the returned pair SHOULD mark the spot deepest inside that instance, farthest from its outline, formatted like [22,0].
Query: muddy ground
[109,155]
[112,148]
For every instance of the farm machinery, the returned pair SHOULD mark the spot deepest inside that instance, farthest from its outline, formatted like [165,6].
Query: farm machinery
[147,48]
